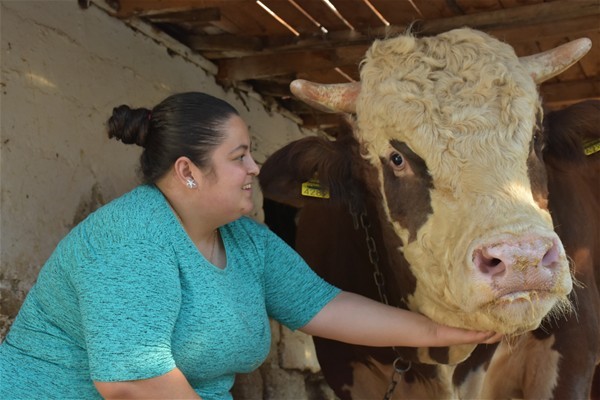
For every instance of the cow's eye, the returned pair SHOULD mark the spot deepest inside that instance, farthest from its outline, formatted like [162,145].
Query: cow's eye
[397,159]
[537,142]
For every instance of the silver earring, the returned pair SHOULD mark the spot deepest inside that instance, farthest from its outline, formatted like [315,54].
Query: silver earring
[190,183]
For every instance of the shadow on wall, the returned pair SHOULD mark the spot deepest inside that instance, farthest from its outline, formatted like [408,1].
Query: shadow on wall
[88,205]
[13,290]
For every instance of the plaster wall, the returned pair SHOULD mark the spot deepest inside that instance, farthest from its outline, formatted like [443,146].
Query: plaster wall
[63,69]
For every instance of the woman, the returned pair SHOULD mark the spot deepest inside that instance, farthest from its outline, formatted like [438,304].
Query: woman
[166,291]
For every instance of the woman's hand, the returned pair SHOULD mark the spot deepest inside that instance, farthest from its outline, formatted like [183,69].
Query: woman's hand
[355,319]
[448,335]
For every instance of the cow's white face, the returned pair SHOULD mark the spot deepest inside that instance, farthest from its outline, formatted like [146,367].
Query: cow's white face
[449,124]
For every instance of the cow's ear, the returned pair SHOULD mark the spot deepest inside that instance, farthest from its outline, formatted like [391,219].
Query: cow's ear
[309,169]
[284,173]
[572,133]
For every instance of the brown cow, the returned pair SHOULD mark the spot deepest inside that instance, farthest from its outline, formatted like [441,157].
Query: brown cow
[440,190]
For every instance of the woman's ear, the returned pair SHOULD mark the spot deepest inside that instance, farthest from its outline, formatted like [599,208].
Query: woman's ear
[186,172]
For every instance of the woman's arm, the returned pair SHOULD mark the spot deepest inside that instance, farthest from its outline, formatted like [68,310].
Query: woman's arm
[172,385]
[355,319]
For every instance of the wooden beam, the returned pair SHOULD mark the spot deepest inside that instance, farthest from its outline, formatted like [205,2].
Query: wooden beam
[259,67]
[569,27]
[141,8]
[225,43]
[194,16]
[556,95]
[321,121]
[277,44]
[272,88]
[513,17]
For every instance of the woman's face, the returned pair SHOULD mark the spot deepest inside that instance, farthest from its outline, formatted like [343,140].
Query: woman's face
[233,170]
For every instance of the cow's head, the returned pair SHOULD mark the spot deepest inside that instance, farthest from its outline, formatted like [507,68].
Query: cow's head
[455,119]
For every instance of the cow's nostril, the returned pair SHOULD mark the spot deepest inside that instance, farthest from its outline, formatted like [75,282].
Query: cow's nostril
[551,257]
[494,262]
[488,264]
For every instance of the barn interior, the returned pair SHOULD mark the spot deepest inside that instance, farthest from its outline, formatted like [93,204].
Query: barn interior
[265,44]
[66,64]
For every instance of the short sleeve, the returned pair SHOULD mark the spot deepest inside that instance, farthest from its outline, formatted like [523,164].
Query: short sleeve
[129,297]
[294,292]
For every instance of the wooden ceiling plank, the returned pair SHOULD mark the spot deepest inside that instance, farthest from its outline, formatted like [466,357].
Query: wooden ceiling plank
[321,121]
[318,10]
[526,49]
[224,43]
[562,93]
[328,75]
[400,12]
[518,3]
[467,7]
[358,14]
[352,71]
[575,26]
[292,16]
[285,44]
[517,16]
[433,9]
[194,16]
[252,20]
[140,8]
[259,67]
[271,88]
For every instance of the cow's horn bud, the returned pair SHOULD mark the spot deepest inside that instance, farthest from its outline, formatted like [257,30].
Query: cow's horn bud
[338,97]
[548,64]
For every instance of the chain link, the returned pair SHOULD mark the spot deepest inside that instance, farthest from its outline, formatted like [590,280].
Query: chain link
[400,366]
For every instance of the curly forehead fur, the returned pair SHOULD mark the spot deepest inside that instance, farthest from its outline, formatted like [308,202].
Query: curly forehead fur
[441,94]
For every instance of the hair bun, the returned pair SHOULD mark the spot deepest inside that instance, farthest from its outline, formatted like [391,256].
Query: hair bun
[129,125]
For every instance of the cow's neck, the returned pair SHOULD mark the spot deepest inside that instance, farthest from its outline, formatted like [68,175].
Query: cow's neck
[401,284]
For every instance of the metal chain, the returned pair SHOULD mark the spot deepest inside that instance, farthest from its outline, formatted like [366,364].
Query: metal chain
[400,366]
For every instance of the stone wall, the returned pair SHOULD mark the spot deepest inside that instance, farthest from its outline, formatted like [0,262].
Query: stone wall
[63,69]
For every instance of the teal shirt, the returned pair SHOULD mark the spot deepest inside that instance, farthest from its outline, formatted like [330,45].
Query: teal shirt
[126,295]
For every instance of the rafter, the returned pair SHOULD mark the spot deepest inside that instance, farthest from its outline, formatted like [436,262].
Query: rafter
[258,67]
[560,94]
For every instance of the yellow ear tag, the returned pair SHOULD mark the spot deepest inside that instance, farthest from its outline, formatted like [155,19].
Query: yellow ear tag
[591,146]
[313,188]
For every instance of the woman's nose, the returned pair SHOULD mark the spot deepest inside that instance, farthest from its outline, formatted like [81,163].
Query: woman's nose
[253,168]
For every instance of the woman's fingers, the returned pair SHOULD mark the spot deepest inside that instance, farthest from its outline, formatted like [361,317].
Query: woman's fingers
[493,338]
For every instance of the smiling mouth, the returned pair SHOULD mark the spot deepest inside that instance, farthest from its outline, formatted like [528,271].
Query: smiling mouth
[247,186]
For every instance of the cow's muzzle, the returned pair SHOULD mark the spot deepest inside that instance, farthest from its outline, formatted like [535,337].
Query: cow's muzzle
[511,266]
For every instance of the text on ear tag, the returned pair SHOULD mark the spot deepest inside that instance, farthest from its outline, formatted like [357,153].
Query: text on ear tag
[313,188]
[591,146]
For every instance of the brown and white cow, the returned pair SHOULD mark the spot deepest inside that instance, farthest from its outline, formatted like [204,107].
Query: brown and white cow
[443,166]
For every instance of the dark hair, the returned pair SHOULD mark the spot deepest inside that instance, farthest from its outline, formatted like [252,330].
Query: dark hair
[185,124]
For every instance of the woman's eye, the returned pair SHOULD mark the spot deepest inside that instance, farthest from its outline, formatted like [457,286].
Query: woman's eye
[397,159]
